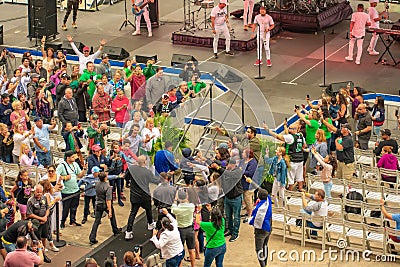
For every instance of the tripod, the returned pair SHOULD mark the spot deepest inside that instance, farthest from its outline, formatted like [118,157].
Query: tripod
[126,21]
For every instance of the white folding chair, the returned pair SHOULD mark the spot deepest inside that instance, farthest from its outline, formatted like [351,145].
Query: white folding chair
[293,200]
[366,157]
[334,227]
[278,221]
[385,174]
[314,182]
[375,235]
[370,175]
[337,187]
[392,196]
[353,210]
[372,193]
[391,246]
[11,171]
[372,214]
[335,206]
[355,231]
[290,226]
[115,133]
[58,157]
[308,237]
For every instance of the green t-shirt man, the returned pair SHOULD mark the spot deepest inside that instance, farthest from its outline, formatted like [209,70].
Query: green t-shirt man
[310,131]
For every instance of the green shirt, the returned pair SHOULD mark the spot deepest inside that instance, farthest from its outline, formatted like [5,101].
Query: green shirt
[311,131]
[71,185]
[218,239]
[325,129]
[184,214]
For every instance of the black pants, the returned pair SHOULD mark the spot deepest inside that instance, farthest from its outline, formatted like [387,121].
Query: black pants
[71,5]
[86,209]
[146,205]
[70,206]
[98,214]
[82,115]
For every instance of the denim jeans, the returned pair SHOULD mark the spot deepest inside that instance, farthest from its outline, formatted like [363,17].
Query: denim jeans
[311,225]
[328,189]
[120,124]
[116,184]
[175,261]
[232,212]
[44,158]
[377,130]
[214,253]
[9,247]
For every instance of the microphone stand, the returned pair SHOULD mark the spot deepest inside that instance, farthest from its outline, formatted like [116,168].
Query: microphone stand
[324,84]
[126,21]
[259,77]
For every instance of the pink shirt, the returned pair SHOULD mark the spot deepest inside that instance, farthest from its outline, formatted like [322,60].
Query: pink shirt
[21,258]
[14,116]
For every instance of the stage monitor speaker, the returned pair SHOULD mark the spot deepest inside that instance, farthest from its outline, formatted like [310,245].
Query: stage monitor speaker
[56,46]
[67,47]
[144,58]
[1,34]
[42,18]
[334,88]
[115,52]
[226,76]
[179,59]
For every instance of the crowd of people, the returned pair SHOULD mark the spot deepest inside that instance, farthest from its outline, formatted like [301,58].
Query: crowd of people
[45,96]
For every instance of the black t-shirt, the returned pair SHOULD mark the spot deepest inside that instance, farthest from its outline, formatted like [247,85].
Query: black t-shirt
[6,148]
[363,122]
[5,112]
[390,142]
[17,229]
[347,155]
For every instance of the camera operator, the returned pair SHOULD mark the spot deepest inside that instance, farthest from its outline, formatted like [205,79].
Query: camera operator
[189,70]
[22,257]
[5,55]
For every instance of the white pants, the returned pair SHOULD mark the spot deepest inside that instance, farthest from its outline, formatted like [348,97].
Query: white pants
[265,41]
[295,172]
[372,43]
[146,18]
[222,30]
[359,47]
[277,187]
[248,6]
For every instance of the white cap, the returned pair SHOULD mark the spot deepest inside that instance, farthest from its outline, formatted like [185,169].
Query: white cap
[373,1]
[224,2]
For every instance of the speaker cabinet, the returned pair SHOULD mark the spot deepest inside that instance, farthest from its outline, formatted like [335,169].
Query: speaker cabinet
[144,58]
[115,52]
[67,47]
[179,59]
[42,18]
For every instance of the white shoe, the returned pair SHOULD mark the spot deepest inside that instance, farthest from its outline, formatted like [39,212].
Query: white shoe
[150,34]
[358,62]
[374,53]
[128,235]
[46,250]
[348,58]
[151,226]
[135,33]
[54,248]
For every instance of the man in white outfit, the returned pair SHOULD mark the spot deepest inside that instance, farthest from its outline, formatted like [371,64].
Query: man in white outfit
[85,57]
[266,24]
[375,17]
[359,20]
[139,17]
[248,6]
[219,18]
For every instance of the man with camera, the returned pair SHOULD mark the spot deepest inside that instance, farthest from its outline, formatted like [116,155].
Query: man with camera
[103,203]
[21,257]
[189,70]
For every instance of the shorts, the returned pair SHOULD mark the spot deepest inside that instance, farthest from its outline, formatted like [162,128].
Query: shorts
[22,208]
[248,198]
[187,234]
[295,173]
[42,231]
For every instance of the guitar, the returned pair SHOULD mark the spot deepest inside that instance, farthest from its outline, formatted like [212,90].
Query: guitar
[137,9]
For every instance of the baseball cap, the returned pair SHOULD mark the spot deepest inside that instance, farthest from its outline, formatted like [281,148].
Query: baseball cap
[42,80]
[171,87]
[165,96]
[35,75]
[223,145]
[37,119]
[35,224]
[96,148]
[386,132]
[96,169]
[373,1]
[104,56]
[346,125]
[224,2]
[86,48]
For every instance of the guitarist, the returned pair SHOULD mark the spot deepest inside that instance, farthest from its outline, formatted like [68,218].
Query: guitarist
[219,20]
[139,8]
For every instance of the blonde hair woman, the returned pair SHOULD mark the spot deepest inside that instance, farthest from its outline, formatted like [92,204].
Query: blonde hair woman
[20,137]
[320,146]
[149,135]
[26,158]
[18,116]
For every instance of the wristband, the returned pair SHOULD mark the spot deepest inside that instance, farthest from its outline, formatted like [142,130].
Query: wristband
[39,249]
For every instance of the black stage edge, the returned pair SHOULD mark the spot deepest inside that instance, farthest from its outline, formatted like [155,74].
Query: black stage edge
[240,41]
[118,244]
[308,23]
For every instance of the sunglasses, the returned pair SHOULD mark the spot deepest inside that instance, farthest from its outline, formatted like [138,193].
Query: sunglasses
[50,170]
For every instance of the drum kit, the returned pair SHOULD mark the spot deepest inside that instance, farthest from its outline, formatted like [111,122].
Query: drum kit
[193,23]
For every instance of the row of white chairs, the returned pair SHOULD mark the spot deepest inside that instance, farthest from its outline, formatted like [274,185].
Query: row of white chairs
[357,236]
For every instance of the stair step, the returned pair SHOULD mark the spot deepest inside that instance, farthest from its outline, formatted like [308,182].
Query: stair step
[231,128]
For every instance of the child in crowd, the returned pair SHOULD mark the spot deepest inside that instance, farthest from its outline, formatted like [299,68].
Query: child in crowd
[329,165]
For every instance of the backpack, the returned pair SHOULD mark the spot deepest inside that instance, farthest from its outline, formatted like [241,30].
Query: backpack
[354,195]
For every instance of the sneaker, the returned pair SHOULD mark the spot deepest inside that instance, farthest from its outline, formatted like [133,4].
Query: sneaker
[54,248]
[358,62]
[227,233]
[74,25]
[229,53]
[46,259]
[233,238]
[151,226]
[93,242]
[150,34]
[215,55]
[269,63]
[258,62]
[119,231]
[64,27]
[348,58]
[62,225]
[84,220]
[135,33]
[128,235]
[374,53]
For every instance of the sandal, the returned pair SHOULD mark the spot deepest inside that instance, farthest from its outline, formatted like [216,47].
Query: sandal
[186,259]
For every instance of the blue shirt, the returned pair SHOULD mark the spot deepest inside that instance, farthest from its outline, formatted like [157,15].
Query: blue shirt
[164,161]
[43,137]
[90,182]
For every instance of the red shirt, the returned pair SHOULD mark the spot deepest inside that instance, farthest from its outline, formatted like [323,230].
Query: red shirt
[99,103]
[21,258]
[121,116]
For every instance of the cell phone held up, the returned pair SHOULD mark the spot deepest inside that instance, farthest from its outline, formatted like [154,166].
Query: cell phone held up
[296,107]
[112,254]
[68,264]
